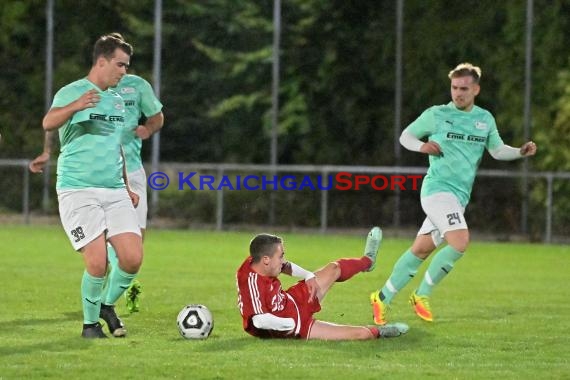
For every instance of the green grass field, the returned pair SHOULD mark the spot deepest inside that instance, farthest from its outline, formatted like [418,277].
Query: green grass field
[503,313]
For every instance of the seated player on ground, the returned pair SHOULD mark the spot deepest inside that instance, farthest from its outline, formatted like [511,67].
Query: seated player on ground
[268,311]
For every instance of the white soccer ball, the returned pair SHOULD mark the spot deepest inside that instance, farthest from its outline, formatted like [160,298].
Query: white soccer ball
[195,322]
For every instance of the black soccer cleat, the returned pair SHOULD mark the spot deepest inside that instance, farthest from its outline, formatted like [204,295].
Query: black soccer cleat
[93,330]
[115,325]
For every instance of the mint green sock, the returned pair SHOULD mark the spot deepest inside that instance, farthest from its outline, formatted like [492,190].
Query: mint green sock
[439,267]
[91,288]
[112,256]
[113,263]
[404,270]
[118,281]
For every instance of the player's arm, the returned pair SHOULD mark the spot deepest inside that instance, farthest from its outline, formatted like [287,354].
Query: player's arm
[269,321]
[252,294]
[37,164]
[151,126]
[501,151]
[134,196]
[423,126]
[506,152]
[411,142]
[294,270]
[58,116]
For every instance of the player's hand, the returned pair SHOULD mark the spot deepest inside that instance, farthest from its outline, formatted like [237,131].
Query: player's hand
[313,288]
[432,148]
[88,100]
[37,164]
[528,149]
[143,132]
[134,197]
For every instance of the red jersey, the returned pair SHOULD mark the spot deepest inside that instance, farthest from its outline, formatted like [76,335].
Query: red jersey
[258,294]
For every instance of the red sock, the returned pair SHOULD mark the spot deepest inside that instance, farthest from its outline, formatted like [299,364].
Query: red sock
[350,267]
[374,331]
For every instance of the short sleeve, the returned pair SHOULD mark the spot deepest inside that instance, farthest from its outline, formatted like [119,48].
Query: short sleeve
[424,125]
[150,105]
[494,140]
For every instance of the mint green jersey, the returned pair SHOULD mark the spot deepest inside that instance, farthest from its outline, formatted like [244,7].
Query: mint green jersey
[139,100]
[90,140]
[463,137]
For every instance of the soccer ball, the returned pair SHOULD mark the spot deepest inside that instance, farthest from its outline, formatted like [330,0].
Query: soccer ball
[195,322]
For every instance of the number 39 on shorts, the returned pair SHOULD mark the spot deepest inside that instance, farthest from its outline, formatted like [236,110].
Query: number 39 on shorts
[77,233]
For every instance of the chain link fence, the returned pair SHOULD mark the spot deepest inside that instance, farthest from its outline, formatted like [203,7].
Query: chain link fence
[321,198]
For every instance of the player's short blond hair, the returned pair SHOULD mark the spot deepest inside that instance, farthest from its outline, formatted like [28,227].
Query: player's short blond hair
[466,70]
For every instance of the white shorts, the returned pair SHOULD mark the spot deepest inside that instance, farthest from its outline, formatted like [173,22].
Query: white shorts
[86,213]
[137,183]
[444,213]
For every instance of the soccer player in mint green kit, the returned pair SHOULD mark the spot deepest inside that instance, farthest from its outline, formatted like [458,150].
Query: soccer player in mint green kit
[140,103]
[95,204]
[457,135]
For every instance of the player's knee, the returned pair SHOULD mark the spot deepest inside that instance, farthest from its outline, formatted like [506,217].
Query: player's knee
[422,253]
[334,267]
[459,240]
[130,264]
[460,244]
[97,270]
[423,246]
[331,272]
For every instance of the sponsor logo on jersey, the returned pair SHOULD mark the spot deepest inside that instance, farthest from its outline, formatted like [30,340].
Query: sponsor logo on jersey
[480,125]
[479,139]
[469,138]
[455,136]
[98,116]
[129,103]
[128,90]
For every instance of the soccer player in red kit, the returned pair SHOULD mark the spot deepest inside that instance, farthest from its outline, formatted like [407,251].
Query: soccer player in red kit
[268,311]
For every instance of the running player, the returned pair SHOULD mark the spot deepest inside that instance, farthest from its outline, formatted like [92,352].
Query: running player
[457,135]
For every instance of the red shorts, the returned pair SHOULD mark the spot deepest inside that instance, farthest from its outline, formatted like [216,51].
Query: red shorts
[298,308]
[300,295]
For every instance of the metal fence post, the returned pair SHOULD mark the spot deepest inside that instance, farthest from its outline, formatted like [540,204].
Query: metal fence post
[220,203]
[548,233]
[26,195]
